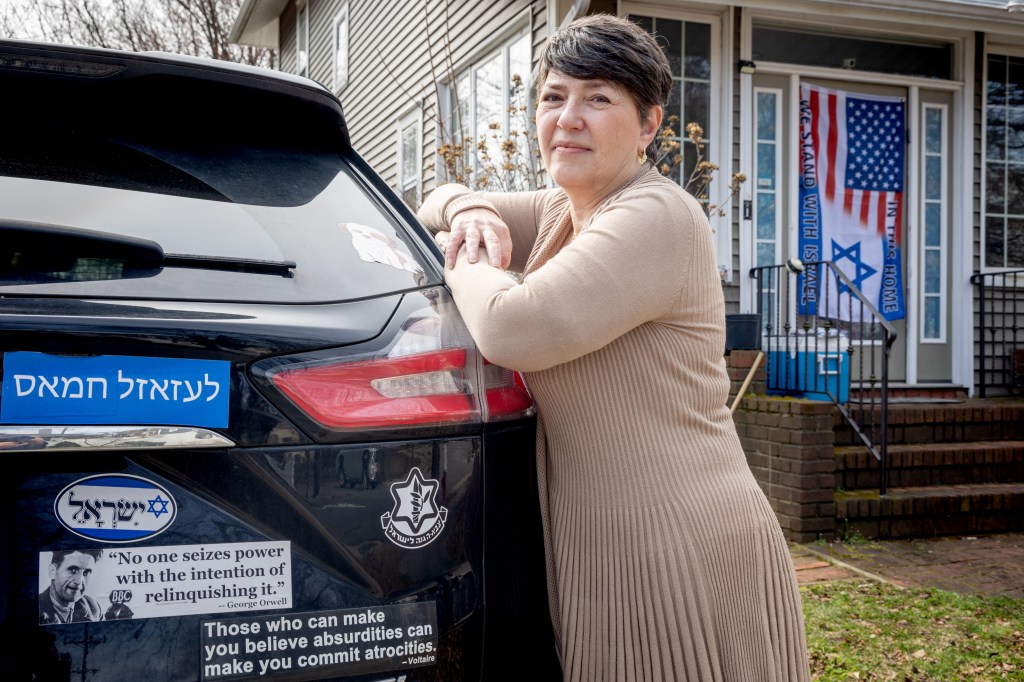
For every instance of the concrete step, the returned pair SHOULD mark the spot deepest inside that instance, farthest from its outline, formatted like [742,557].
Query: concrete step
[931,511]
[932,464]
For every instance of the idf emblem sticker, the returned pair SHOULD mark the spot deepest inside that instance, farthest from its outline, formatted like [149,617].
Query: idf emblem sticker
[416,519]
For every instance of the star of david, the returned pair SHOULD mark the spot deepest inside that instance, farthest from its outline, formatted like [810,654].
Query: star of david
[415,500]
[852,253]
[153,506]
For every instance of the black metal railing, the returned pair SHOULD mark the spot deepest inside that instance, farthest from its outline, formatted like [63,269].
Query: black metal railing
[825,341]
[999,332]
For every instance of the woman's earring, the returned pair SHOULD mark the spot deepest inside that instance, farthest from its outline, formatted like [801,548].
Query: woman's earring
[641,158]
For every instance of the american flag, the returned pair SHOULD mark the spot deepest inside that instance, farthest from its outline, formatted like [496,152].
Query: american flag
[852,152]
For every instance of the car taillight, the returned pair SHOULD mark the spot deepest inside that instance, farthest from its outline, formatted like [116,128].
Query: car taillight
[431,374]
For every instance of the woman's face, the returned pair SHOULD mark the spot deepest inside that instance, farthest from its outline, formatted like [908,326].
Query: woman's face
[590,133]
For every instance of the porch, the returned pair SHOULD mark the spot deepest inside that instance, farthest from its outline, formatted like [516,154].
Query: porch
[840,450]
[955,464]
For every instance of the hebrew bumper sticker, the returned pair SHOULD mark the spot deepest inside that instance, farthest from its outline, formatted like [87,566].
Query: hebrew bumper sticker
[115,508]
[39,388]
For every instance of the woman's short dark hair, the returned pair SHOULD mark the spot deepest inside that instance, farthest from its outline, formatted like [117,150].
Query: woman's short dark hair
[617,50]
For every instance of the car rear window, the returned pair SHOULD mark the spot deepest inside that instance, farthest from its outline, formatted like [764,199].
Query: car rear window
[219,204]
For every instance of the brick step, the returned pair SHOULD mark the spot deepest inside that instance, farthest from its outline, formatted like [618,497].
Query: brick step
[932,464]
[912,393]
[957,422]
[929,511]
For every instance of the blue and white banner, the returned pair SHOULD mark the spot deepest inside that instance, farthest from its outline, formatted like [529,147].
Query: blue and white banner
[852,152]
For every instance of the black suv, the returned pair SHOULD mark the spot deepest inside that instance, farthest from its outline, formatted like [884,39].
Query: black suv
[245,434]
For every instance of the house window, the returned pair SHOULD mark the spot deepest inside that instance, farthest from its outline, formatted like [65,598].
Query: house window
[934,209]
[488,143]
[341,21]
[410,154]
[1004,162]
[687,45]
[768,170]
[302,41]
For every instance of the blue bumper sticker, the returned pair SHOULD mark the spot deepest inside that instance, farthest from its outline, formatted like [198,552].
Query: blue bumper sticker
[39,388]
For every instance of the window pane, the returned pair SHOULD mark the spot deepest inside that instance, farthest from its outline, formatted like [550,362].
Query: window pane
[766,115]
[689,163]
[698,51]
[932,224]
[933,131]
[645,23]
[670,36]
[675,106]
[995,134]
[1015,81]
[519,60]
[765,166]
[696,106]
[996,88]
[409,153]
[765,254]
[852,52]
[932,316]
[932,271]
[1015,133]
[932,177]
[1015,243]
[1015,189]
[341,49]
[766,216]
[994,242]
[995,188]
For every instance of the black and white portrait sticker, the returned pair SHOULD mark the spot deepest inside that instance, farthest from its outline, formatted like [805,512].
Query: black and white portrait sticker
[416,519]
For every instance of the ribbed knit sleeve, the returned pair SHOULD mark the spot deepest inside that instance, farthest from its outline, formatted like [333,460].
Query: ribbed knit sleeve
[625,268]
[521,211]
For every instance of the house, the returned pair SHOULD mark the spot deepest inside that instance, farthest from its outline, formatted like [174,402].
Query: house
[951,71]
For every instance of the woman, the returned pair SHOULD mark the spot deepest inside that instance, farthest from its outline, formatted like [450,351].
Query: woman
[665,561]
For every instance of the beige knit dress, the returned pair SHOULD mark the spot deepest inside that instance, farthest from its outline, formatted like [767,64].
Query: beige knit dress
[665,561]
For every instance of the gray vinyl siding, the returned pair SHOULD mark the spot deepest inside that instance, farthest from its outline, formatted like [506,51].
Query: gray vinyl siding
[978,146]
[288,55]
[389,63]
[732,291]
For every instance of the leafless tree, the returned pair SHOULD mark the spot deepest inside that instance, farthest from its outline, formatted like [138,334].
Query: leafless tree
[194,27]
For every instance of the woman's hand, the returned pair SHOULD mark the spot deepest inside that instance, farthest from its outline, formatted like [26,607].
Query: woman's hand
[471,227]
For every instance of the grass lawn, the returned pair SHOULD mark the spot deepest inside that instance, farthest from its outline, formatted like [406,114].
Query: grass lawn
[867,630]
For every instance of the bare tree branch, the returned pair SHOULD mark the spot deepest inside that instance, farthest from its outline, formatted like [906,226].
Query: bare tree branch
[194,27]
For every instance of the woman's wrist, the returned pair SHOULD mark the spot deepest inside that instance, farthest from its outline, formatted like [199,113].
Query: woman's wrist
[466,202]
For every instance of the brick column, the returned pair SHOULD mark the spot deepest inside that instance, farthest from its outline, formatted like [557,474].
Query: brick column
[789,445]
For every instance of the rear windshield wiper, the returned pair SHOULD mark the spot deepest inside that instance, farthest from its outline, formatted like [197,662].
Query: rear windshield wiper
[40,247]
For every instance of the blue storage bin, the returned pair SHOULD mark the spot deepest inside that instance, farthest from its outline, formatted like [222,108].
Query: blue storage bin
[809,367]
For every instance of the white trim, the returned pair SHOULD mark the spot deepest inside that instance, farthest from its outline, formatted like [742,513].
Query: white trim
[793,171]
[748,295]
[912,229]
[920,14]
[868,77]
[780,151]
[342,18]
[990,49]
[962,206]
[302,65]
[413,117]
[920,210]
